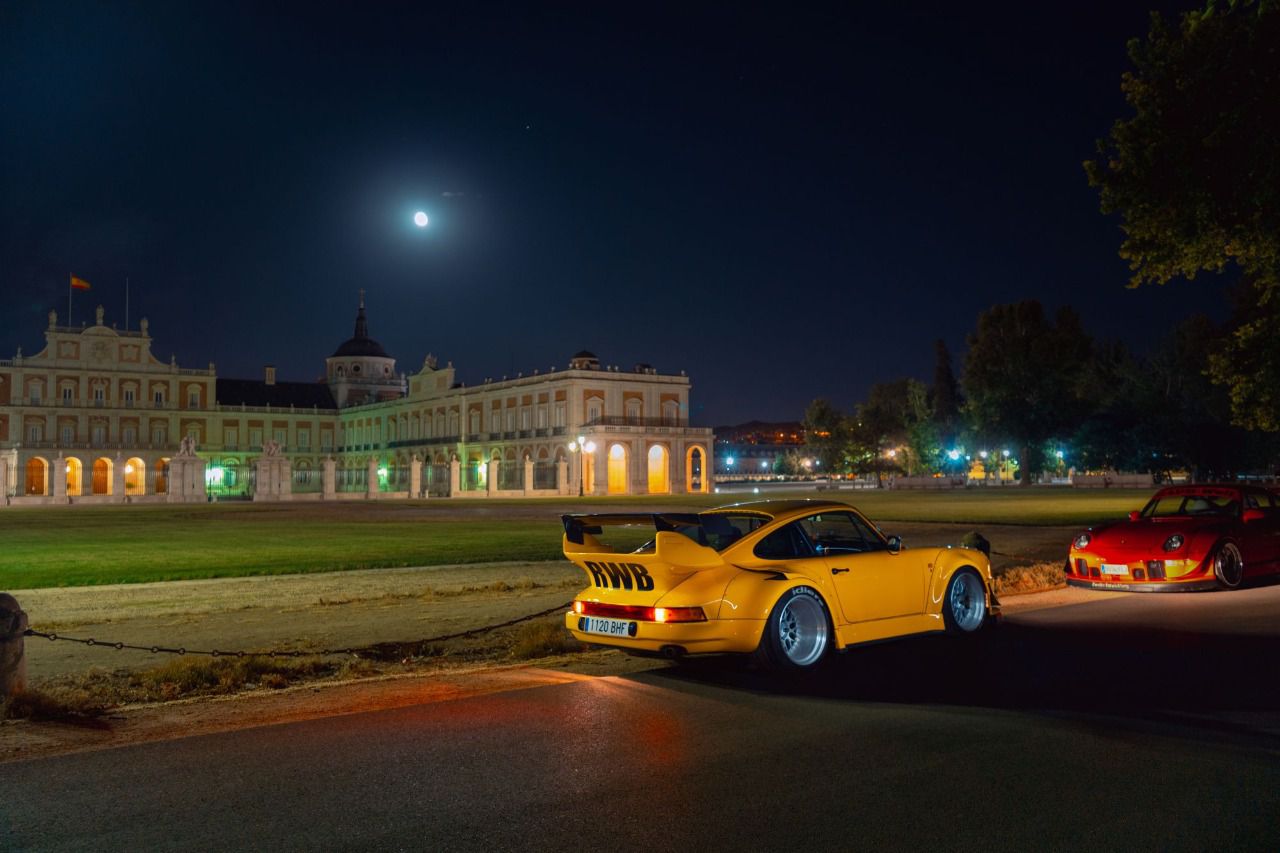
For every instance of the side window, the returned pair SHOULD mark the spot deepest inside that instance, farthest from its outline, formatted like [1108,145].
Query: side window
[785,543]
[1257,500]
[840,533]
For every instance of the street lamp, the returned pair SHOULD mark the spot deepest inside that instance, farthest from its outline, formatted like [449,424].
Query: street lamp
[579,446]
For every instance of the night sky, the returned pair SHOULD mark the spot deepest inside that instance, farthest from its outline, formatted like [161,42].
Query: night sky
[786,204]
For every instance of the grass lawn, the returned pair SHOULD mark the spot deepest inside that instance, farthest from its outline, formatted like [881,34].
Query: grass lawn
[41,547]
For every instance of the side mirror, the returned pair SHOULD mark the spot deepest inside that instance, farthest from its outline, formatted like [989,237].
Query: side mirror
[1135,515]
[1253,515]
[895,544]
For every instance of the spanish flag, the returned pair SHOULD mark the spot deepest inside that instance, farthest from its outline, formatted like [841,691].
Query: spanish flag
[79,283]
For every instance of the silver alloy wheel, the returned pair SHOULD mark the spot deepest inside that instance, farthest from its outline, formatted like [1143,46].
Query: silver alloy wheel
[967,602]
[802,630]
[1228,565]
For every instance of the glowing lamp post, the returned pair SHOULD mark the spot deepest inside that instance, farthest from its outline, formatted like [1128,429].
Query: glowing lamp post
[581,446]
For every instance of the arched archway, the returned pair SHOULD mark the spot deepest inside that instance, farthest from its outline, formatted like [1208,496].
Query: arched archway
[37,476]
[74,472]
[696,471]
[659,470]
[617,469]
[102,471]
[162,476]
[135,477]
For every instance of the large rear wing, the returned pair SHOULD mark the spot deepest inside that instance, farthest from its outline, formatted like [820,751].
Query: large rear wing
[577,526]
[678,546]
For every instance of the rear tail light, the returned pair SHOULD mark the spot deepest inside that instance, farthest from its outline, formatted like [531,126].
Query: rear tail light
[639,613]
[1155,570]
[679,614]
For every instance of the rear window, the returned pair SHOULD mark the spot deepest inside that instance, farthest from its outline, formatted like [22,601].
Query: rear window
[720,530]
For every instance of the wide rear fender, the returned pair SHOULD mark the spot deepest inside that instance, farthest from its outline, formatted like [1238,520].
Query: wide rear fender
[946,563]
[751,593]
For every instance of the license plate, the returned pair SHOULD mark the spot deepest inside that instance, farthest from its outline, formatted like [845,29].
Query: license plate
[607,627]
[1114,569]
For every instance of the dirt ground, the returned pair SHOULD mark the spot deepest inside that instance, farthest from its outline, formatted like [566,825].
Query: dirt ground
[339,609]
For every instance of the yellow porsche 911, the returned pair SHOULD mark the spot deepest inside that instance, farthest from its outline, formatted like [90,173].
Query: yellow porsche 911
[786,580]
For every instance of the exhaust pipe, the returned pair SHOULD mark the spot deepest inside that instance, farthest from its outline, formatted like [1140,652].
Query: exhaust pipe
[673,652]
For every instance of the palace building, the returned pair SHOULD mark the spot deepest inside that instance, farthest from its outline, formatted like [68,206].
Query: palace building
[95,417]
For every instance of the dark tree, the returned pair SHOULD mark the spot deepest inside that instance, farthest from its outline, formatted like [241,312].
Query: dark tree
[884,420]
[1022,376]
[946,392]
[827,432]
[1195,176]
[1115,393]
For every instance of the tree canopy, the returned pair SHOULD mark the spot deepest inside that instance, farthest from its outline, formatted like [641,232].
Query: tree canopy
[1193,172]
[1021,374]
[1194,175]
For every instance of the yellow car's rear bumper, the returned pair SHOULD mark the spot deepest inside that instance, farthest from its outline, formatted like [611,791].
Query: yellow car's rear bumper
[715,635]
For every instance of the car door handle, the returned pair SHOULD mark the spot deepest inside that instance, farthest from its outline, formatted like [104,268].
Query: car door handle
[838,571]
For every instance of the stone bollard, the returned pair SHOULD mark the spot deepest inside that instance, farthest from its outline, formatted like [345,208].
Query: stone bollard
[13,662]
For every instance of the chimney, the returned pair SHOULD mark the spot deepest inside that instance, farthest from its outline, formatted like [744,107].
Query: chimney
[271,374]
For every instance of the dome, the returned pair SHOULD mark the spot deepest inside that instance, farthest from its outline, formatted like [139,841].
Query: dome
[360,344]
[585,354]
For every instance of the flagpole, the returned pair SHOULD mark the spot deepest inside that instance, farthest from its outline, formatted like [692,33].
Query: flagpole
[126,303]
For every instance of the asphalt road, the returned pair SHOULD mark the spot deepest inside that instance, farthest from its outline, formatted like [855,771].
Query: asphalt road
[1139,722]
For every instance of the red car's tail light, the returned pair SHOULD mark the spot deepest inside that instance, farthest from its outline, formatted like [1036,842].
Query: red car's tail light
[639,613]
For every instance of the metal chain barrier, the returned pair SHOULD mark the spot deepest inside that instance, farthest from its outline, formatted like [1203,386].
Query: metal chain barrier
[292,653]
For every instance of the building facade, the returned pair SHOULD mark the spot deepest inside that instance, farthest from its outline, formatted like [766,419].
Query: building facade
[95,417]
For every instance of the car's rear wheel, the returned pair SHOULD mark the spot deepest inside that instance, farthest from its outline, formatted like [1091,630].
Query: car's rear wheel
[797,634]
[1228,565]
[964,606]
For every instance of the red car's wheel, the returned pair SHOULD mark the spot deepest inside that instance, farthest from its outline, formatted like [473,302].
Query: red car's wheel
[1228,565]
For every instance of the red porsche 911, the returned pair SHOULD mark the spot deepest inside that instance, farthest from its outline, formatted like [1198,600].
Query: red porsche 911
[1185,538]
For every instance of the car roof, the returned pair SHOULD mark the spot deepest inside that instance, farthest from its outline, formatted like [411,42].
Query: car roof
[782,508]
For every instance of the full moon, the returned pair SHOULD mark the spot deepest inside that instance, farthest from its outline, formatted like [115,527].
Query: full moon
[420,219]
